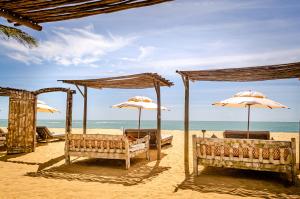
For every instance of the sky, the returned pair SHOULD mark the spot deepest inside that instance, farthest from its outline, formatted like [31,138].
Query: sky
[178,35]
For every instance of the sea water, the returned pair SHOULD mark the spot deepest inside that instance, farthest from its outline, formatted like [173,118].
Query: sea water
[173,125]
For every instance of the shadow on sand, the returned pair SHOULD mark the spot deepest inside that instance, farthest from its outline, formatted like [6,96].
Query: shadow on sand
[104,171]
[244,183]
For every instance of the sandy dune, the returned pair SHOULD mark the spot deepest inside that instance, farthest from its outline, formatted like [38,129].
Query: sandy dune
[42,174]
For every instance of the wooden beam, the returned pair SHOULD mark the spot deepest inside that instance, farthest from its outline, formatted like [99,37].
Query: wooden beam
[158,135]
[186,123]
[19,20]
[79,90]
[85,110]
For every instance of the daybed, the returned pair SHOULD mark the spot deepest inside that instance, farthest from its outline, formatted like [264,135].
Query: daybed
[253,154]
[105,146]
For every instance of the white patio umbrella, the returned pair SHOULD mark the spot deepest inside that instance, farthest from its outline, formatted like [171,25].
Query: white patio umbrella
[43,107]
[248,99]
[139,102]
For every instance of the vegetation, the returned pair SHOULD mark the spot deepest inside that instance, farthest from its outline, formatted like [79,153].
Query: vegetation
[7,32]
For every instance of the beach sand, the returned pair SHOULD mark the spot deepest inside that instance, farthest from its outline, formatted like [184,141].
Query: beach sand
[42,174]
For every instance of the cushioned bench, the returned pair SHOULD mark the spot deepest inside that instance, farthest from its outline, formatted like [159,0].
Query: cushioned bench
[135,133]
[105,146]
[262,135]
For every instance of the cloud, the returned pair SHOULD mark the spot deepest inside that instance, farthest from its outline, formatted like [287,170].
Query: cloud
[145,51]
[237,60]
[67,47]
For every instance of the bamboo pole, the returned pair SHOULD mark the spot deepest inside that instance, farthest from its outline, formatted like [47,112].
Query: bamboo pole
[299,145]
[158,135]
[85,110]
[186,124]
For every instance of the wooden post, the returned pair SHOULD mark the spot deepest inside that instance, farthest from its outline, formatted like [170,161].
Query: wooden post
[195,157]
[186,123]
[68,124]
[69,112]
[299,146]
[293,171]
[158,135]
[34,123]
[85,110]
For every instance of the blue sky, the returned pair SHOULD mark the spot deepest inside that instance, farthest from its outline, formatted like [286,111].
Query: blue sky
[183,34]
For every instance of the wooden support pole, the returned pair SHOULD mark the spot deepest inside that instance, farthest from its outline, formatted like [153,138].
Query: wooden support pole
[299,146]
[13,17]
[158,135]
[85,110]
[69,112]
[68,124]
[34,123]
[186,124]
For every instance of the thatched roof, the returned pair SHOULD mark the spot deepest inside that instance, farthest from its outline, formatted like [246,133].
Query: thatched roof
[259,73]
[32,12]
[5,91]
[137,81]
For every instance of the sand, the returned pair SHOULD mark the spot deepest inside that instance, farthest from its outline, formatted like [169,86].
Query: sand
[42,174]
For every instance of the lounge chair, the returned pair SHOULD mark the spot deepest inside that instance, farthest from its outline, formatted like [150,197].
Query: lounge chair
[135,133]
[2,138]
[261,135]
[105,146]
[43,134]
[2,133]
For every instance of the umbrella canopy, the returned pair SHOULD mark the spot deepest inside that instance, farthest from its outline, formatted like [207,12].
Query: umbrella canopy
[139,102]
[250,98]
[247,99]
[43,107]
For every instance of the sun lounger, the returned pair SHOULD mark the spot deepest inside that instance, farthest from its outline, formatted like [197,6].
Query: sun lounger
[135,133]
[105,146]
[45,135]
[262,135]
[2,138]
[252,154]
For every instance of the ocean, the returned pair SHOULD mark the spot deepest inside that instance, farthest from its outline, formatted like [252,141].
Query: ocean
[174,125]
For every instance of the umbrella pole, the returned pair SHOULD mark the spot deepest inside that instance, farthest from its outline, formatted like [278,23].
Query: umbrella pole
[140,110]
[248,126]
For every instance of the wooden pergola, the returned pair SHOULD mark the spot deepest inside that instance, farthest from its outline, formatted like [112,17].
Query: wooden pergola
[32,13]
[137,81]
[21,137]
[247,74]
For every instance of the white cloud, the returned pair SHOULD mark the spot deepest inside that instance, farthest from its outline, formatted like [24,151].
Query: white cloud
[238,60]
[145,51]
[67,47]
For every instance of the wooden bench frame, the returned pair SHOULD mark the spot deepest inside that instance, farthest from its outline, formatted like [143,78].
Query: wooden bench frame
[252,154]
[262,135]
[105,146]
